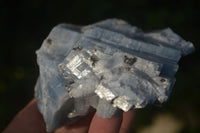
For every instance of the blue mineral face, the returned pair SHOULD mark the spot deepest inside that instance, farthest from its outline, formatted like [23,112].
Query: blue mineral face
[110,66]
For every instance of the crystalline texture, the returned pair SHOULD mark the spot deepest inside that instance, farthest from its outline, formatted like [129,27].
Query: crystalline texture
[110,66]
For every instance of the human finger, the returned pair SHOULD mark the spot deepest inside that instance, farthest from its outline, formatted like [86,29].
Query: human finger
[127,122]
[28,120]
[108,125]
[81,126]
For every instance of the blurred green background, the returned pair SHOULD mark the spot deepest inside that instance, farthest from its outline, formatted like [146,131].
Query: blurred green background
[24,24]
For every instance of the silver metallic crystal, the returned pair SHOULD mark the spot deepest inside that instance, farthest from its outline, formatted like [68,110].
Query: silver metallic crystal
[110,66]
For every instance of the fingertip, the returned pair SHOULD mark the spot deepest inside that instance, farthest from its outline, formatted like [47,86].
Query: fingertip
[105,125]
[128,118]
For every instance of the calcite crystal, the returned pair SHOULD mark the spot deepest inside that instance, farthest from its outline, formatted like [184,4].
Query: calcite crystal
[110,66]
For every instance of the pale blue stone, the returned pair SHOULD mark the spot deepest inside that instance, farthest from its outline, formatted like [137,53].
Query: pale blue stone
[110,66]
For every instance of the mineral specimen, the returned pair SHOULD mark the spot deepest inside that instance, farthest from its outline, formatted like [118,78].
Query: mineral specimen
[110,66]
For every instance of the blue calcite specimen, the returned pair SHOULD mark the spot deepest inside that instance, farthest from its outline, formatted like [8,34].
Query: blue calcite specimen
[110,66]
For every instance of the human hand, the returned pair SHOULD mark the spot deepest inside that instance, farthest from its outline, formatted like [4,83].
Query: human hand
[29,120]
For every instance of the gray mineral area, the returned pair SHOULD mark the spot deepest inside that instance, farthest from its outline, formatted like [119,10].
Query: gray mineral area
[110,66]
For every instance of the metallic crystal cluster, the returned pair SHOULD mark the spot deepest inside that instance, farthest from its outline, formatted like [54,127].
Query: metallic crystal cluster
[110,66]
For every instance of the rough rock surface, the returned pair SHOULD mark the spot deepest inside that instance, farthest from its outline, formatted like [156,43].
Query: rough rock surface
[110,66]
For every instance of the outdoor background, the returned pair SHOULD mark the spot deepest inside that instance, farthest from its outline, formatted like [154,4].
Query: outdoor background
[24,24]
